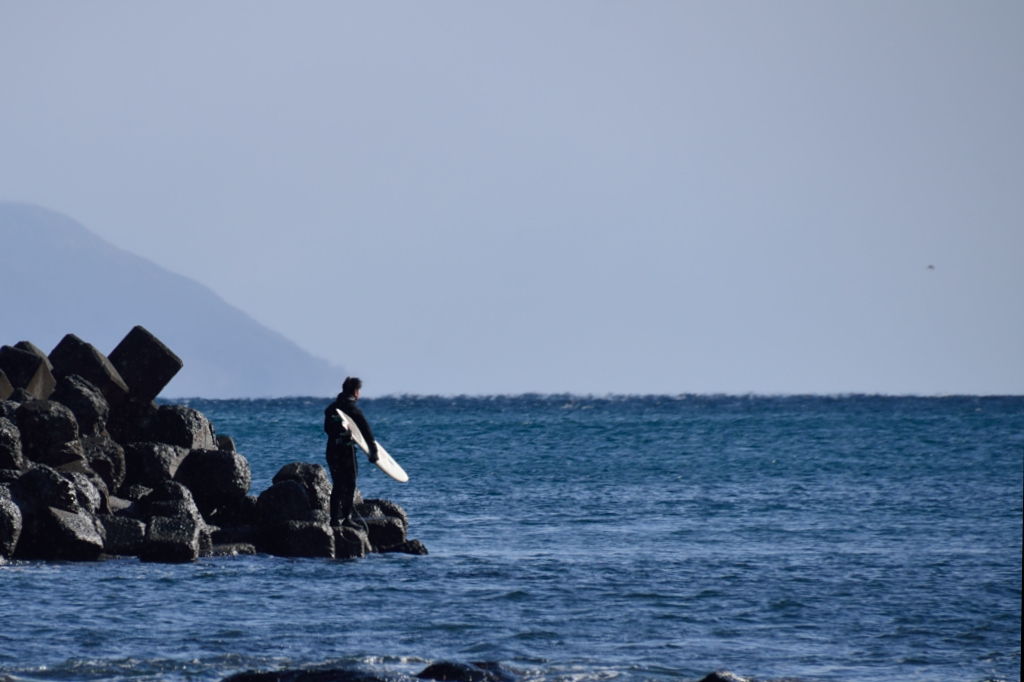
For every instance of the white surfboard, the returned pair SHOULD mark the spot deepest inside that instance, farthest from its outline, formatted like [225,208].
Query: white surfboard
[385,462]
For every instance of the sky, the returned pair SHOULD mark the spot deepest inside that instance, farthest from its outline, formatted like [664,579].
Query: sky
[587,197]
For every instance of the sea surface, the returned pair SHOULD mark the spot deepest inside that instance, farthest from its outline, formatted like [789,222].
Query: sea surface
[575,539]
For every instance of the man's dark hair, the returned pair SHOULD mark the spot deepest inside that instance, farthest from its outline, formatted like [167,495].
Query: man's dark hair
[351,385]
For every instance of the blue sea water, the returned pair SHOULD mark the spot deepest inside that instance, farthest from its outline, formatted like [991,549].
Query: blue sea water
[575,539]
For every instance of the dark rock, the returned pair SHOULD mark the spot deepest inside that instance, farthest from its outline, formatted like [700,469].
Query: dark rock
[408,547]
[252,535]
[134,493]
[85,401]
[282,502]
[226,443]
[145,363]
[377,507]
[124,536]
[10,522]
[119,504]
[316,675]
[106,458]
[233,549]
[150,464]
[10,446]
[216,478]
[9,475]
[74,356]
[42,486]
[52,534]
[182,426]
[8,410]
[350,543]
[456,672]
[242,513]
[6,387]
[385,532]
[171,539]
[170,498]
[90,497]
[49,433]
[313,478]
[302,539]
[27,371]
[131,421]
[723,676]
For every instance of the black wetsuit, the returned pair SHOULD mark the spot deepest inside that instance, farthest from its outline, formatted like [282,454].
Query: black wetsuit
[341,454]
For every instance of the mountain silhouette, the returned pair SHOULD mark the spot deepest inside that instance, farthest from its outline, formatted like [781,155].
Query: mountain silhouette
[57,277]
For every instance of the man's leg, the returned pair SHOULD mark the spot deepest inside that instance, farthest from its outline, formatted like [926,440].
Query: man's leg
[341,460]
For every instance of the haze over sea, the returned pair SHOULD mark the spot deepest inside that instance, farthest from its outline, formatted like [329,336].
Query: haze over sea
[632,538]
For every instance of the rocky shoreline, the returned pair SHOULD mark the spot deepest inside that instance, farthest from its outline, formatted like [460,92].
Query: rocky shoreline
[92,467]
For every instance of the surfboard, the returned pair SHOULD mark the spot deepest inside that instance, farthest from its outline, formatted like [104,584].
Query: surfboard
[385,462]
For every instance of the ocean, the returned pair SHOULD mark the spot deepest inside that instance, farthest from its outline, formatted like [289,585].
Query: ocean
[853,538]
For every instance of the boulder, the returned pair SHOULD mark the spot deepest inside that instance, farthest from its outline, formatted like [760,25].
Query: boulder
[241,513]
[350,543]
[8,409]
[49,433]
[74,356]
[51,534]
[314,479]
[124,535]
[170,498]
[10,446]
[385,532]
[408,547]
[233,549]
[282,502]
[42,486]
[217,478]
[182,426]
[226,443]
[91,498]
[257,536]
[150,464]
[377,507]
[723,676]
[86,402]
[303,539]
[131,420]
[27,371]
[10,522]
[456,672]
[6,387]
[171,539]
[145,363]
[30,347]
[106,458]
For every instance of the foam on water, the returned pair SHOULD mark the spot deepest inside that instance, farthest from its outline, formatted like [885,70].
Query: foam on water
[851,538]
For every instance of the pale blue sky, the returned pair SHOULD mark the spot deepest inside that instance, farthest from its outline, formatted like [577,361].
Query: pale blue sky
[593,197]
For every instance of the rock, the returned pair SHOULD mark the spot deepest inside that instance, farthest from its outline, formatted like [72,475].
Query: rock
[27,371]
[145,363]
[9,475]
[53,533]
[303,539]
[49,433]
[182,426]
[150,464]
[30,347]
[90,497]
[8,410]
[456,672]
[414,547]
[10,446]
[252,535]
[10,522]
[314,479]
[74,356]
[106,458]
[723,676]
[226,443]
[42,486]
[217,478]
[170,498]
[124,536]
[350,543]
[282,502]
[242,513]
[134,493]
[131,421]
[315,675]
[233,549]
[378,507]
[86,402]
[171,539]
[6,387]
[385,532]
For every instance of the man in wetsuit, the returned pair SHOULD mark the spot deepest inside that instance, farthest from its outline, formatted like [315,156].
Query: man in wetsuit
[341,449]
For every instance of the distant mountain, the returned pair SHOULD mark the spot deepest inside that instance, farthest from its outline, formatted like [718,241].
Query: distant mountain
[56,278]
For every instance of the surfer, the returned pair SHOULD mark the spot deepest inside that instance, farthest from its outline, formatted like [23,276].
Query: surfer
[341,449]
